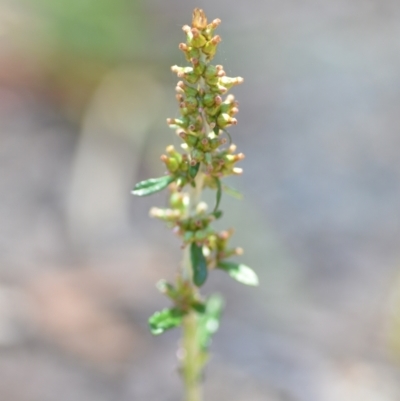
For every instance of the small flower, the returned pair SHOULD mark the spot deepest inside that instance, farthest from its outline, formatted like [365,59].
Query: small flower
[199,20]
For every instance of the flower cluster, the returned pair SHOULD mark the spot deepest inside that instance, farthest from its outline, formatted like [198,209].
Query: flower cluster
[208,156]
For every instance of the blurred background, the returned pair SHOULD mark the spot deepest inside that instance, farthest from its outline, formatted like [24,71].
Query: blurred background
[85,88]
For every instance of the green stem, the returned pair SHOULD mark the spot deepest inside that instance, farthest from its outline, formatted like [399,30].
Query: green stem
[192,363]
[195,193]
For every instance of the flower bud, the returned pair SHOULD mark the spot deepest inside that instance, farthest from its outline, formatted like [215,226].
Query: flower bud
[209,31]
[181,71]
[192,77]
[205,141]
[191,103]
[184,47]
[230,98]
[215,142]
[228,82]
[196,124]
[197,155]
[191,140]
[184,111]
[218,89]
[212,111]
[182,134]
[218,99]
[229,158]
[199,19]
[210,48]
[212,121]
[193,37]
[179,200]
[199,67]
[165,214]
[201,208]
[210,71]
[208,99]
[188,90]
[225,120]
[171,163]
[178,123]
[234,110]
[185,73]
[190,52]
[229,108]
[197,40]
[239,251]
[174,153]
[214,23]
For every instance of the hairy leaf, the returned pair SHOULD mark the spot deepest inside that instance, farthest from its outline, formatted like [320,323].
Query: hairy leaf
[165,320]
[239,272]
[152,185]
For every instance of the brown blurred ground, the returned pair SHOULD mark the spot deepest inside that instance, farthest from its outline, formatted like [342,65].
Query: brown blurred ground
[85,90]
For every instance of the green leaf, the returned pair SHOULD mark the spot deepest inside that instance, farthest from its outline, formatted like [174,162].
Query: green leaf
[199,307]
[199,264]
[217,214]
[239,272]
[165,320]
[232,192]
[152,185]
[193,170]
[219,194]
[209,321]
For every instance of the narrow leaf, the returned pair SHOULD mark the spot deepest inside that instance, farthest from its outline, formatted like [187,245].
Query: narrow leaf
[209,321]
[165,320]
[152,185]
[199,264]
[239,272]
[232,192]
[219,194]
[193,170]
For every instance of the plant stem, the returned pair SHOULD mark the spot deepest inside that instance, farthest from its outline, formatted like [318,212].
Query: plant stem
[191,362]
[192,359]
[195,193]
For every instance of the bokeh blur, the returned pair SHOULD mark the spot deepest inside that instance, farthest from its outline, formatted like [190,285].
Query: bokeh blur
[85,88]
